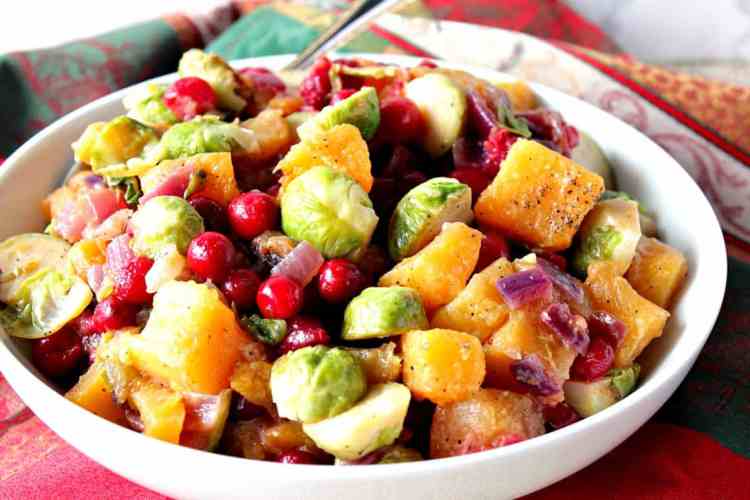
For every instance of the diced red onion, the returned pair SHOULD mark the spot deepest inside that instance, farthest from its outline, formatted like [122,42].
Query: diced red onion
[202,415]
[133,419]
[174,184]
[548,127]
[369,459]
[530,372]
[71,219]
[480,115]
[119,253]
[104,202]
[603,324]
[563,281]
[570,328]
[95,278]
[524,287]
[93,180]
[301,264]
[112,226]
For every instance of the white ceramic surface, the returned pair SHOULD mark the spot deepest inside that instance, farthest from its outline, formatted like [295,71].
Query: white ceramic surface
[685,220]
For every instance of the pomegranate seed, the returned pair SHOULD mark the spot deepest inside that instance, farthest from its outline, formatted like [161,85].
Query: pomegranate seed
[241,287]
[113,314]
[560,415]
[303,331]
[190,96]
[279,297]
[496,148]
[242,409]
[297,457]
[315,87]
[477,180]
[59,354]
[130,281]
[339,280]
[494,246]
[342,94]
[211,256]
[595,363]
[604,325]
[214,215]
[253,213]
[401,121]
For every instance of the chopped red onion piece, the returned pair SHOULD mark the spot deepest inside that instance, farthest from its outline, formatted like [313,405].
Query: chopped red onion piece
[301,264]
[174,185]
[570,328]
[524,287]
[369,459]
[133,419]
[479,114]
[467,153]
[204,413]
[564,282]
[603,324]
[531,373]
[548,127]
[119,253]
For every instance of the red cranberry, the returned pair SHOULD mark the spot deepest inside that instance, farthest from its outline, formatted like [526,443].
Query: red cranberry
[130,281]
[297,457]
[604,325]
[214,215]
[402,160]
[595,363]
[341,95]
[494,246]
[401,121]
[560,415]
[339,280]
[264,80]
[190,96]
[241,287]
[113,314]
[315,87]
[59,354]
[253,213]
[84,325]
[475,179]
[496,148]
[211,256]
[303,331]
[279,297]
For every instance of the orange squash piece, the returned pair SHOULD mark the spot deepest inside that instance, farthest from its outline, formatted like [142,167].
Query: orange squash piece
[94,393]
[251,379]
[522,98]
[539,197]
[657,271]
[162,411]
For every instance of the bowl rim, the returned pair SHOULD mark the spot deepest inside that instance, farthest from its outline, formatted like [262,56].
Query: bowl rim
[57,410]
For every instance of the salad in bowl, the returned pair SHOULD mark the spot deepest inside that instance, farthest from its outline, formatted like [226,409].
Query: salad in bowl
[381,264]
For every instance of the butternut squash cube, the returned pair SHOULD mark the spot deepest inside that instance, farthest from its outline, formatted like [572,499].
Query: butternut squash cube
[94,393]
[522,98]
[251,379]
[162,411]
[657,271]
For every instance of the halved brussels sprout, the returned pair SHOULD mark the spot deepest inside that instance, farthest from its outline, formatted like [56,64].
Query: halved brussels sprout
[163,221]
[206,134]
[361,109]
[400,454]
[382,312]
[443,105]
[610,232]
[146,105]
[315,383]
[168,265]
[588,154]
[329,210]
[116,148]
[374,422]
[24,254]
[588,398]
[268,331]
[420,214]
[214,70]
[648,224]
[298,118]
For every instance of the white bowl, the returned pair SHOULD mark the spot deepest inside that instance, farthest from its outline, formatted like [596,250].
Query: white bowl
[685,220]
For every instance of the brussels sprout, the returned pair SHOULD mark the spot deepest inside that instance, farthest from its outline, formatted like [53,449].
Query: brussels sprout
[214,70]
[163,221]
[400,454]
[116,148]
[610,232]
[168,265]
[420,214]
[24,254]
[588,398]
[315,383]
[146,105]
[443,105]
[648,225]
[589,155]
[373,423]
[295,120]
[329,210]
[382,312]
[361,109]
[205,134]
[268,331]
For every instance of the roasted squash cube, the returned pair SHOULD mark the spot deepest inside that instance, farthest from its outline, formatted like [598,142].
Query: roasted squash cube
[162,411]
[657,271]
[251,379]
[522,98]
[539,197]
[94,393]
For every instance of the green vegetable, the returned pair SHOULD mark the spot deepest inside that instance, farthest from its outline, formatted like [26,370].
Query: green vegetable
[121,147]
[589,398]
[589,155]
[648,225]
[163,221]
[329,210]
[382,312]
[610,232]
[23,255]
[315,383]
[205,134]
[360,109]
[420,214]
[373,423]
[509,121]
[295,120]
[146,105]
[132,187]
[443,105]
[400,454]
[214,70]
[268,331]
